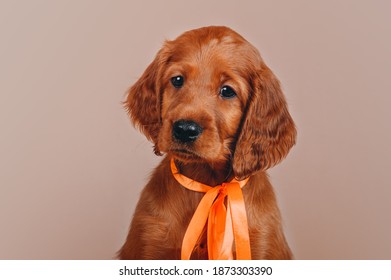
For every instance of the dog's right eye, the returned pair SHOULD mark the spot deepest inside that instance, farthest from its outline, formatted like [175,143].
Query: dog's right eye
[177,81]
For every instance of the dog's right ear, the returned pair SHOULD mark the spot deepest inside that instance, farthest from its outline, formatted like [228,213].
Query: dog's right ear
[143,101]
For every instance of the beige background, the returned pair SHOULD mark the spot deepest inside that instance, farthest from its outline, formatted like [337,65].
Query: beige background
[71,166]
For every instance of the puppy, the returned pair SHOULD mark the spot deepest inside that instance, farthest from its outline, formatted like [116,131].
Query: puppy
[212,106]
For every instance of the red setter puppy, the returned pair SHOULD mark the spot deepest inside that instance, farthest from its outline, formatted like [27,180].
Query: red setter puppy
[213,107]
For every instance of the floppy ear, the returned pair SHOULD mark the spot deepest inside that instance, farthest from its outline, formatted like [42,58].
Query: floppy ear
[268,131]
[144,98]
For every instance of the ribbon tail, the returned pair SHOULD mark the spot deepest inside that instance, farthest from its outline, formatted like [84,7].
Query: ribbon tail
[239,222]
[197,224]
[217,222]
[228,236]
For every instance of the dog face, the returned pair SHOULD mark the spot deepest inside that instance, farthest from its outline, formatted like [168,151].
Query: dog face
[209,97]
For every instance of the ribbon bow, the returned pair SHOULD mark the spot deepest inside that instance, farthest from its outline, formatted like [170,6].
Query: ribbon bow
[225,223]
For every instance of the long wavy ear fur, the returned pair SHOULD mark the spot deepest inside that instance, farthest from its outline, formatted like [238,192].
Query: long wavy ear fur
[268,131]
[144,98]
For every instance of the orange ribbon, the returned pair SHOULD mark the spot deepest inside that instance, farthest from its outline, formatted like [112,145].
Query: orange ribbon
[225,223]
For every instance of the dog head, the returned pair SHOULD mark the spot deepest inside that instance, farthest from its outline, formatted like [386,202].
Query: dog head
[209,97]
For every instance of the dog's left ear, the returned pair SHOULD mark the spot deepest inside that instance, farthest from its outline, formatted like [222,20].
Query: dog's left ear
[268,131]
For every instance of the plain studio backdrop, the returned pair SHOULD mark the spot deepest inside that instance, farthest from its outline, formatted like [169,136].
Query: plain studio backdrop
[72,167]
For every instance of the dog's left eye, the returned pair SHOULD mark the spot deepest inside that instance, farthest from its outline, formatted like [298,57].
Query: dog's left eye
[177,81]
[227,92]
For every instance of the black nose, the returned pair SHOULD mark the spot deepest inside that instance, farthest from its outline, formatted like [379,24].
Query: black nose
[186,131]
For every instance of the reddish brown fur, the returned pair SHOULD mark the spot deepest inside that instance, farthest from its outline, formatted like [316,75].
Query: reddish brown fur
[241,137]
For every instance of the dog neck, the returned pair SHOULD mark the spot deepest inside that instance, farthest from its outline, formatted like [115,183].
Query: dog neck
[205,173]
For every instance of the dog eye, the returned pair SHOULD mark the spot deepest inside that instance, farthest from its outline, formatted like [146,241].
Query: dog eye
[177,81]
[227,92]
